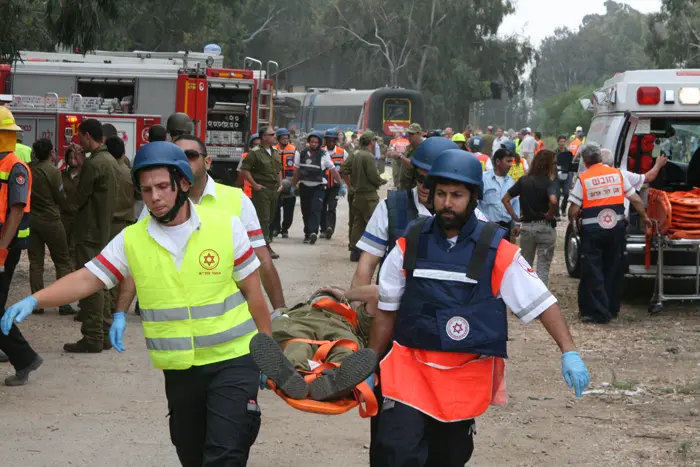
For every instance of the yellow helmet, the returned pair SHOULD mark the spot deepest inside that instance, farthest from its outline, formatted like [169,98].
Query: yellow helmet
[7,120]
[459,138]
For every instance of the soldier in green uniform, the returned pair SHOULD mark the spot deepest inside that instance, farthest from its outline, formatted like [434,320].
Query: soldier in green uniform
[124,214]
[365,179]
[403,170]
[46,229]
[74,159]
[95,202]
[262,168]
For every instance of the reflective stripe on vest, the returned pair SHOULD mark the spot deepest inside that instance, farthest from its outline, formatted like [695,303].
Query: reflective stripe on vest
[287,158]
[310,166]
[517,170]
[603,197]
[7,163]
[197,315]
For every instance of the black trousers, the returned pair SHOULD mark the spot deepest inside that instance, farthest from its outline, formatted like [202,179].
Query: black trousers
[14,345]
[602,254]
[409,438]
[214,414]
[330,204]
[282,222]
[311,206]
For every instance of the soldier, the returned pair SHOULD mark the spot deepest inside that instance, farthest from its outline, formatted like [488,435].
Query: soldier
[46,229]
[263,170]
[366,181]
[108,131]
[179,124]
[74,158]
[95,202]
[383,149]
[124,214]
[402,162]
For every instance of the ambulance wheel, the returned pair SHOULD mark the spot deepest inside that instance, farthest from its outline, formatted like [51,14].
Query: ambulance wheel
[656,308]
[572,255]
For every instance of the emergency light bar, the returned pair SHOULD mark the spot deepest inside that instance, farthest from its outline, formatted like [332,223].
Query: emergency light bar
[648,95]
[689,96]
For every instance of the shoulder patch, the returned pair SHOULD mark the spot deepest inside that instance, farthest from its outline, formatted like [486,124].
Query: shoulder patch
[20,179]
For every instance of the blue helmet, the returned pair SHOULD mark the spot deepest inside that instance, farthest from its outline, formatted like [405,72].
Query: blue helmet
[332,133]
[316,134]
[282,132]
[460,166]
[476,142]
[253,137]
[509,145]
[427,151]
[161,154]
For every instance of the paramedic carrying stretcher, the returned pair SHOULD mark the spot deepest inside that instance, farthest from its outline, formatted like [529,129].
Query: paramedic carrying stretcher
[443,294]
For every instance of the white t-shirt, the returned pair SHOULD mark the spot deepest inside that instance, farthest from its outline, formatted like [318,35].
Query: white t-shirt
[521,290]
[249,217]
[111,265]
[375,238]
[497,144]
[326,164]
[528,146]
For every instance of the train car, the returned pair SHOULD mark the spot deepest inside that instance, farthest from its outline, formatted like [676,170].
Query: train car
[384,111]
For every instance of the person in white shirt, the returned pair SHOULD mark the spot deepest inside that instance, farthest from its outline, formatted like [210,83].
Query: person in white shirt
[309,170]
[528,146]
[498,141]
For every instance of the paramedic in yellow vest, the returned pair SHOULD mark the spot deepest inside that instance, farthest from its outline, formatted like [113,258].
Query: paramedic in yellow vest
[23,152]
[444,295]
[201,304]
[234,202]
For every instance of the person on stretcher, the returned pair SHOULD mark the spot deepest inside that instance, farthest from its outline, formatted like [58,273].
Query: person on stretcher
[326,316]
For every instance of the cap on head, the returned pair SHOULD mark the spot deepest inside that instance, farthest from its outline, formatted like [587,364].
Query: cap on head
[459,166]
[579,128]
[161,154]
[476,142]
[414,128]
[459,138]
[425,154]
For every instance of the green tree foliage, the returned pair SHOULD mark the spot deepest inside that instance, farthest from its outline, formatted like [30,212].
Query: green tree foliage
[561,114]
[674,34]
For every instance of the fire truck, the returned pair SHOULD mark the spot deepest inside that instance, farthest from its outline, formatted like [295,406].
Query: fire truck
[135,90]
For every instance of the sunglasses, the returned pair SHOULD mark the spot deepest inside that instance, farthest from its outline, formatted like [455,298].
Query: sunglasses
[193,154]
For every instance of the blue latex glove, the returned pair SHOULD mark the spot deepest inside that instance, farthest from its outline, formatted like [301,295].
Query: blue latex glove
[17,312]
[293,191]
[116,330]
[575,372]
[343,191]
[371,381]
[263,381]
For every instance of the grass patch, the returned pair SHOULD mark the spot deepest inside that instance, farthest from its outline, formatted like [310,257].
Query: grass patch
[690,388]
[683,449]
[657,338]
[623,384]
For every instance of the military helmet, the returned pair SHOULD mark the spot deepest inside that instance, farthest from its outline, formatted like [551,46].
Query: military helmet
[180,123]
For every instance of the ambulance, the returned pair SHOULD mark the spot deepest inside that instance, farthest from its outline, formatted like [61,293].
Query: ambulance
[640,115]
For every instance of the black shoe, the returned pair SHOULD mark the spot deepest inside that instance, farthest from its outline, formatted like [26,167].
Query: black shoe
[78,318]
[84,345]
[275,233]
[66,310]
[273,255]
[340,381]
[329,233]
[270,358]
[306,239]
[285,235]
[591,320]
[21,377]
[355,255]
[312,238]
[4,358]
[38,311]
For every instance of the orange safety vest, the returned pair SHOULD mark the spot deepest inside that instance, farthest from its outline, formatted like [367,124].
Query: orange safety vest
[574,145]
[483,158]
[603,197]
[21,239]
[247,188]
[362,397]
[287,159]
[448,386]
[540,146]
[399,145]
[338,157]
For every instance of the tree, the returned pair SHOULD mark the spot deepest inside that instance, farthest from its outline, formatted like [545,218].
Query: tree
[674,34]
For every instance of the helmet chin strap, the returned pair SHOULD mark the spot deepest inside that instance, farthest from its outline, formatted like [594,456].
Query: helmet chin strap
[179,200]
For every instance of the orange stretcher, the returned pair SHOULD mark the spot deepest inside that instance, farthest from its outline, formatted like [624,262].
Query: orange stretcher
[676,219]
[362,395]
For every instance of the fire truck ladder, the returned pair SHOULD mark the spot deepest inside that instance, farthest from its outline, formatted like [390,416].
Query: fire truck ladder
[264,94]
[51,102]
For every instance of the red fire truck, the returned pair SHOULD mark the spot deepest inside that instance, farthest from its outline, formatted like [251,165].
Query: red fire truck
[142,88]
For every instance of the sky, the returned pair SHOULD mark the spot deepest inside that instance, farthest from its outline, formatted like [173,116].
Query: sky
[537,19]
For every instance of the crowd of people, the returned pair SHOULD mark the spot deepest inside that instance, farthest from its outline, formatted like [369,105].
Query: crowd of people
[197,254]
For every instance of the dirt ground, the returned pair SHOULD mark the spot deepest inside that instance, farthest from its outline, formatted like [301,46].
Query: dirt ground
[109,409]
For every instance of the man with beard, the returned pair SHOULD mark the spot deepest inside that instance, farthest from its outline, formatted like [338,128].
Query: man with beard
[443,293]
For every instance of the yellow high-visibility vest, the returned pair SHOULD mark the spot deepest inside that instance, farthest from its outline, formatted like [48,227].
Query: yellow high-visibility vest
[517,170]
[228,199]
[197,315]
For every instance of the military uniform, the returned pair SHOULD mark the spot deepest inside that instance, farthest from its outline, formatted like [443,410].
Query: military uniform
[366,181]
[70,188]
[95,203]
[266,170]
[46,228]
[406,175]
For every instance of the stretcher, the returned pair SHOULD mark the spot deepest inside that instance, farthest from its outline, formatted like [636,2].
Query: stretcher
[676,228]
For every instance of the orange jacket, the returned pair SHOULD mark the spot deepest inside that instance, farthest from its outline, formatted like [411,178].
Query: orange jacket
[574,145]
[483,158]
[338,157]
[603,197]
[247,188]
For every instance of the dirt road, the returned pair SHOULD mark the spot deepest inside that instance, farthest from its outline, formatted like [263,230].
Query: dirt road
[109,409]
